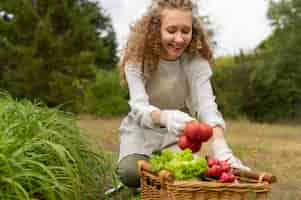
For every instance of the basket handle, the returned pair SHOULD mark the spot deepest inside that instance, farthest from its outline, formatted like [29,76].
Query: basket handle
[259,176]
[163,175]
[143,165]
[266,177]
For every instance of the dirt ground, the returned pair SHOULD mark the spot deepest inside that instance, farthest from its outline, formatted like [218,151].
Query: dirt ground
[104,132]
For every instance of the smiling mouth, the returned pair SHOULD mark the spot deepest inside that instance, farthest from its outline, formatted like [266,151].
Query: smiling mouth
[175,48]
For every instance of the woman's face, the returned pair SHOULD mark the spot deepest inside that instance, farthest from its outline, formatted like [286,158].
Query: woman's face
[176,32]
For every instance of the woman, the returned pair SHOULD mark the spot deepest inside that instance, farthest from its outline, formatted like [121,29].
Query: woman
[166,69]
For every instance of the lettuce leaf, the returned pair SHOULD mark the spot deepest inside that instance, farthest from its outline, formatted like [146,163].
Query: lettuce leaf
[183,165]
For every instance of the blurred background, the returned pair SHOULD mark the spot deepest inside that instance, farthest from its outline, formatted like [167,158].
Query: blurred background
[65,53]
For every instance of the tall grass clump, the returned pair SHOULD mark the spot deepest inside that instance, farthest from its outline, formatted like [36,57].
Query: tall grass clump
[44,155]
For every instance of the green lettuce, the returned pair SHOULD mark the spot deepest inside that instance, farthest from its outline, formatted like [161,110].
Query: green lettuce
[183,165]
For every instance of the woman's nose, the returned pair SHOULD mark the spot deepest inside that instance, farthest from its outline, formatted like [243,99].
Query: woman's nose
[179,38]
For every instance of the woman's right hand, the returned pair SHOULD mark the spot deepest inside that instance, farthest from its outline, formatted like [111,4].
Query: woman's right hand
[221,151]
[174,120]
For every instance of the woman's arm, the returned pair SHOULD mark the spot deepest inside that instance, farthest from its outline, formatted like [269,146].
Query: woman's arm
[156,116]
[206,106]
[203,99]
[139,101]
[218,132]
[203,102]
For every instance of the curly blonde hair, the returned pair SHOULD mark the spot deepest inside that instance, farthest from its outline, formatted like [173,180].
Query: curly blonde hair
[144,43]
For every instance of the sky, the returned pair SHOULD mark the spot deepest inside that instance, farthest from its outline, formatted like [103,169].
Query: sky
[238,24]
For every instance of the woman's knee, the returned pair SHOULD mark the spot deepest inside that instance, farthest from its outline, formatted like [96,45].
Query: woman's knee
[127,169]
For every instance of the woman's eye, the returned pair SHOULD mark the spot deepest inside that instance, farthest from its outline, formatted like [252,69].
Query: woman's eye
[171,30]
[186,31]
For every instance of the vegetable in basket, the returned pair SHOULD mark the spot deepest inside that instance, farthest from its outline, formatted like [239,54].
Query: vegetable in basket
[220,170]
[183,165]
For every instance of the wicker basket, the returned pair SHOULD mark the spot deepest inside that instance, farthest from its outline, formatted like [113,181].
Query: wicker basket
[163,186]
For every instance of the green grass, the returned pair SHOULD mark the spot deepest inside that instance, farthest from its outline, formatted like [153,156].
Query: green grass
[44,155]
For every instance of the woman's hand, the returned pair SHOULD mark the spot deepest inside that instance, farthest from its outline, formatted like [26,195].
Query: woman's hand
[174,120]
[221,150]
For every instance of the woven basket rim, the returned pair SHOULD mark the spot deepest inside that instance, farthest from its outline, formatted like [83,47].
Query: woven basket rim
[164,177]
[215,186]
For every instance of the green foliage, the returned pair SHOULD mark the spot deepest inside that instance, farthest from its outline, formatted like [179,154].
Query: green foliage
[284,13]
[230,81]
[226,61]
[43,155]
[183,165]
[106,97]
[51,49]
[266,85]
[274,92]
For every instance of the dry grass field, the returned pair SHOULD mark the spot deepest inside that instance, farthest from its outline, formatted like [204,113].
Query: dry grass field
[274,148]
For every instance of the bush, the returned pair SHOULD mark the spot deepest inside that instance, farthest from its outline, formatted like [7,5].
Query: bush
[106,97]
[230,81]
[44,155]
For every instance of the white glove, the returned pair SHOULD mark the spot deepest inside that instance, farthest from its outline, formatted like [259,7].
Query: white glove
[221,151]
[174,120]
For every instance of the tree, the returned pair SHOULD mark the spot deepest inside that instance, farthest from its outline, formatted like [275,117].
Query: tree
[275,82]
[51,49]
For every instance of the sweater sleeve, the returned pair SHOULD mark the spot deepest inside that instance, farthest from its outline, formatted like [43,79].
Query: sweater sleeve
[139,100]
[203,99]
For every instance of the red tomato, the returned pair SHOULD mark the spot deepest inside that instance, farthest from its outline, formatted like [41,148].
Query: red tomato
[205,132]
[192,130]
[183,142]
[195,147]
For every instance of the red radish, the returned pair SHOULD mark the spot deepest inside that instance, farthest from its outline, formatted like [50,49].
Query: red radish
[226,178]
[220,170]
[214,171]
[205,132]
[212,162]
[225,166]
[210,172]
